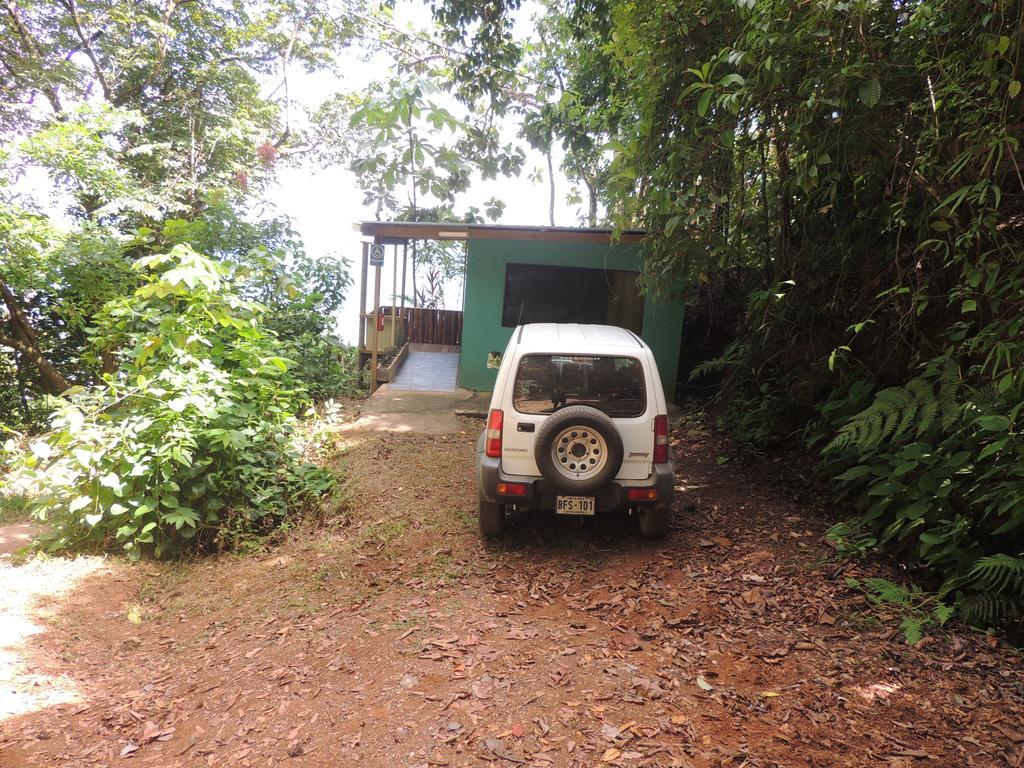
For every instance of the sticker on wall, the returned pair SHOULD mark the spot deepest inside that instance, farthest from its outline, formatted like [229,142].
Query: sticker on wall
[494,359]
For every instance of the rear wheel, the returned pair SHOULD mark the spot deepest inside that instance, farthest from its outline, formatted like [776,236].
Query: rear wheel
[491,518]
[578,450]
[655,521]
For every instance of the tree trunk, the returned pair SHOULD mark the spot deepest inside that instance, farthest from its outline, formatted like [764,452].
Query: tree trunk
[415,204]
[52,380]
[22,327]
[766,243]
[108,361]
[551,185]
[782,163]
[24,341]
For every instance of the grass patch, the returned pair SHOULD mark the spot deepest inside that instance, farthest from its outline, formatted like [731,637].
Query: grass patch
[14,508]
[386,531]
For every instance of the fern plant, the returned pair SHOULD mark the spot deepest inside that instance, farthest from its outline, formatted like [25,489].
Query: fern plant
[999,573]
[995,586]
[917,609]
[898,413]
[935,470]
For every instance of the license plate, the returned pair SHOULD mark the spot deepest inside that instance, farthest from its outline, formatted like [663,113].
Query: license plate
[574,505]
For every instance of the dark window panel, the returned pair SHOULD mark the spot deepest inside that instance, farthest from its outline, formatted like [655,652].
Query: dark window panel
[538,293]
[614,385]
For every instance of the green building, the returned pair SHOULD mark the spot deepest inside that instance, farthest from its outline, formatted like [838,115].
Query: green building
[541,274]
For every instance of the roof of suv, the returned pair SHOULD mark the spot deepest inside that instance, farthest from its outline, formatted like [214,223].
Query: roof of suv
[575,337]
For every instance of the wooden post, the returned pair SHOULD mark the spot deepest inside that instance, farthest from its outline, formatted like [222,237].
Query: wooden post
[362,297]
[376,333]
[405,261]
[394,297]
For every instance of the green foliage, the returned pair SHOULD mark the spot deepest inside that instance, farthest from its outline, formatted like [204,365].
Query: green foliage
[936,474]
[917,609]
[188,444]
[14,507]
[867,155]
[139,126]
[851,540]
[999,573]
[414,154]
[407,150]
[897,412]
[302,296]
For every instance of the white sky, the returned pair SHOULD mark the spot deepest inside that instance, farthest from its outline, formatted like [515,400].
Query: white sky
[325,205]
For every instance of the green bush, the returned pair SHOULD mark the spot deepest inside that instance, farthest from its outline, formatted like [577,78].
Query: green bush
[326,367]
[188,444]
[937,472]
[858,164]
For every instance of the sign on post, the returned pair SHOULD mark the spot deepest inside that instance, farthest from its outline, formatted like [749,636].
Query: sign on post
[376,255]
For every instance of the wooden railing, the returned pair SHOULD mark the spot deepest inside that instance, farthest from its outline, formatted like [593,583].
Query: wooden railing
[430,326]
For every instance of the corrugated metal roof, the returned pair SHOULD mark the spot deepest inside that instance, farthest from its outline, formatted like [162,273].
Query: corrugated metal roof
[433,230]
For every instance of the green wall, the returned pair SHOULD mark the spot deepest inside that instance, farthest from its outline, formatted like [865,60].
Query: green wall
[485,292]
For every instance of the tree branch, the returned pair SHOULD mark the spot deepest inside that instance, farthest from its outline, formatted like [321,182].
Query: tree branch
[25,342]
[33,48]
[22,327]
[76,21]
[53,381]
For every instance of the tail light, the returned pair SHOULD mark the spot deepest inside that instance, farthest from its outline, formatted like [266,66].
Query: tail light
[494,420]
[642,494]
[660,439]
[511,489]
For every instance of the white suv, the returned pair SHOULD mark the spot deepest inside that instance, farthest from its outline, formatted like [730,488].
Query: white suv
[578,425]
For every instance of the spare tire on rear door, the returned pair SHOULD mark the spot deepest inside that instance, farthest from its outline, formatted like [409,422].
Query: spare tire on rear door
[578,449]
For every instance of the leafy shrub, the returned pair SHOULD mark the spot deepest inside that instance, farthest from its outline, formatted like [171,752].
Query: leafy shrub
[326,367]
[188,444]
[937,472]
[302,295]
[14,507]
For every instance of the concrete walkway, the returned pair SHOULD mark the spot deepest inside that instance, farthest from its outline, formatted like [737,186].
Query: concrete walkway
[425,413]
[427,372]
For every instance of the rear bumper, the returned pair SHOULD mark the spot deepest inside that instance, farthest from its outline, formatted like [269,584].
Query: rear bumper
[541,495]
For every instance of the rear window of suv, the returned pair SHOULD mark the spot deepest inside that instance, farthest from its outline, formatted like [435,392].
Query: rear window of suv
[615,385]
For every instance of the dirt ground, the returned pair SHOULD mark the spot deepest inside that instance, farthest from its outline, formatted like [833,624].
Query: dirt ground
[394,637]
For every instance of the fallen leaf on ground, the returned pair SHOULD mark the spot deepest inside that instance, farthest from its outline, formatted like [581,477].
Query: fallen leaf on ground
[497,748]
[753,596]
[129,749]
